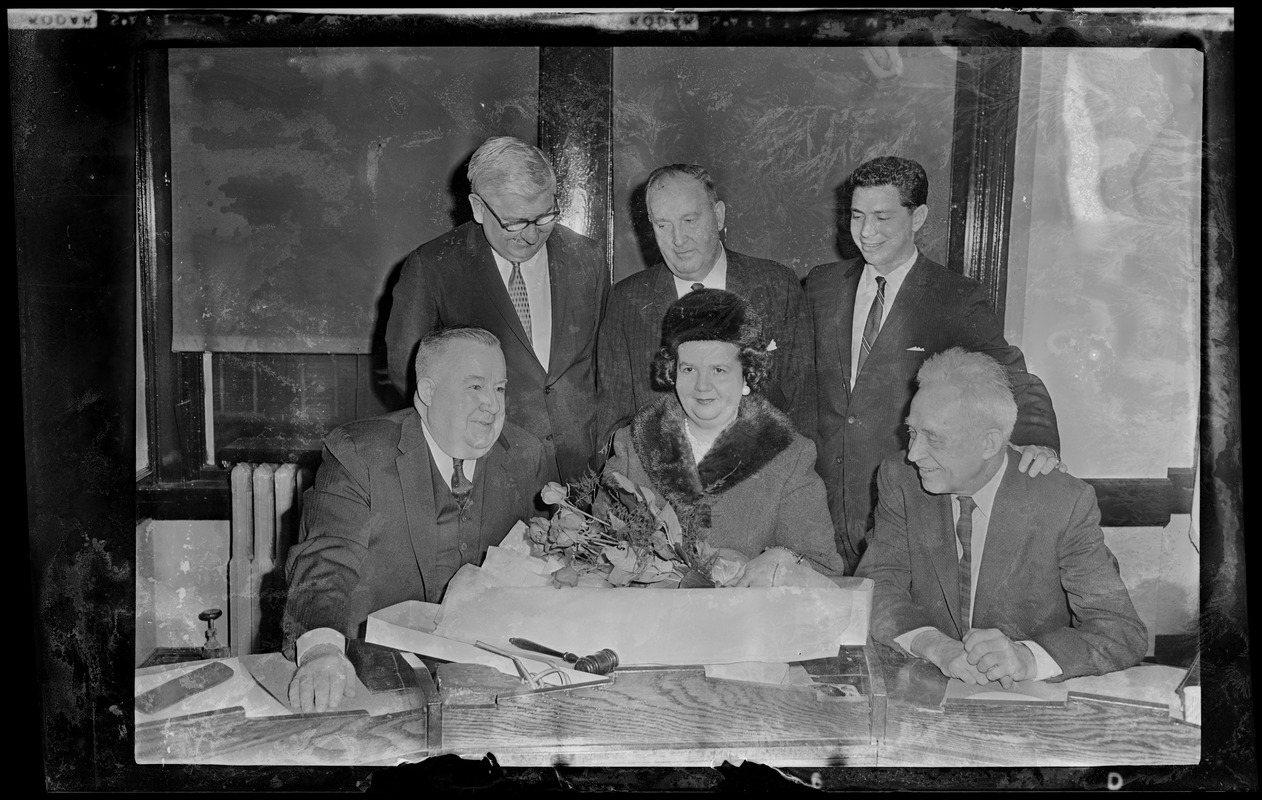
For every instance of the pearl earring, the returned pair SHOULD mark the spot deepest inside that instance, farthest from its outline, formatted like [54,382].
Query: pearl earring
[745,390]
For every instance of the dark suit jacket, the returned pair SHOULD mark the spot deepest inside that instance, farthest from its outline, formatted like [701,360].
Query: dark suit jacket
[1046,574]
[632,333]
[934,310]
[453,280]
[367,537]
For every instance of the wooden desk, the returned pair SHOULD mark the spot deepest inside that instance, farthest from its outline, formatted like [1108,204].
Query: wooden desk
[679,717]
[241,723]
[921,734]
[666,717]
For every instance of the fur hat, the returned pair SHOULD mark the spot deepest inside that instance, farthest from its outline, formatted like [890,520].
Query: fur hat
[711,315]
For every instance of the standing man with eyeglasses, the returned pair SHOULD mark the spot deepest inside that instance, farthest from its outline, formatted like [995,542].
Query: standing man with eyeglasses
[537,285]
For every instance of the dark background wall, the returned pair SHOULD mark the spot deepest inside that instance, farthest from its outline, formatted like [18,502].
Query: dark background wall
[779,129]
[73,100]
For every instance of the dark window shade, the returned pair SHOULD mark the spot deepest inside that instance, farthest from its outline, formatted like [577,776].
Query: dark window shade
[301,177]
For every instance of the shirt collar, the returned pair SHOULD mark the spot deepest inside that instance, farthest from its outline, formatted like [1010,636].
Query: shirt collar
[895,279]
[716,278]
[506,266]
[985,496]
[443,460]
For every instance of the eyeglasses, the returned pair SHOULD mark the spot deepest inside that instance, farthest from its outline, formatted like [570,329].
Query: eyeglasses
[540,221]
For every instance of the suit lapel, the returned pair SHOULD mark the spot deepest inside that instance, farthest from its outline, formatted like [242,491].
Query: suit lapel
[737,275]
[487,273]
[558,280]
[491,474]
[415,477]
[906,307]
[845,318]
[1011,522]
[664,294]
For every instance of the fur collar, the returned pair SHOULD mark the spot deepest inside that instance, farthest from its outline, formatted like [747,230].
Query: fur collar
[759,433]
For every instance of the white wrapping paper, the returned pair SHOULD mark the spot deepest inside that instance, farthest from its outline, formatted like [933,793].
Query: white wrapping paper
[408,626]
[511,595]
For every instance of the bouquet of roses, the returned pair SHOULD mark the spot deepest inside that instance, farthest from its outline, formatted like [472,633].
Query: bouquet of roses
[610,531]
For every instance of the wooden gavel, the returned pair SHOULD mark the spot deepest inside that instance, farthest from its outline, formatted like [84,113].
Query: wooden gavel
[602,662]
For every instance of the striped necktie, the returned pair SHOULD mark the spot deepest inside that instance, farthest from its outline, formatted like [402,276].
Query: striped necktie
[873,326]
[964,532]
[460,485]
[517,292]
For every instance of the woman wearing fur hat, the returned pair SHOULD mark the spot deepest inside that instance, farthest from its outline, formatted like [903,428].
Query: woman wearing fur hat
[716,442]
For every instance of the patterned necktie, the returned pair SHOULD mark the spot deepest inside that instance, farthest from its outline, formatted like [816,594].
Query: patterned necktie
[873,326]
[517,291]
[697,286]
[964,532]
[460,485]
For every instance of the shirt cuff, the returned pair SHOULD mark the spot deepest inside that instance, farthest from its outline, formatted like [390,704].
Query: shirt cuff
[1044,665]
[906,639]
[317,636]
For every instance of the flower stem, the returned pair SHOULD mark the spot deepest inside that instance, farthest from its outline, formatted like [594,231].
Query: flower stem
[578,510]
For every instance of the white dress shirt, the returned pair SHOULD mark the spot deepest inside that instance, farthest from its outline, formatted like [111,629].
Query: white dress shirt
[716,278]
[863,298]
[1044,665]
[534,273]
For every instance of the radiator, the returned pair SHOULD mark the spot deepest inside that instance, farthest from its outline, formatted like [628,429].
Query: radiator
[266,508]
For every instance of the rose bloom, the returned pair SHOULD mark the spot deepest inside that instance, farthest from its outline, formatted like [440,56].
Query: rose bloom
[553,493]
[571,520]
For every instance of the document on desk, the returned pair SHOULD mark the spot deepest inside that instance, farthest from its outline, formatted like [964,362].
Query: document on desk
[1022,693]
[239,690]
[1144,686]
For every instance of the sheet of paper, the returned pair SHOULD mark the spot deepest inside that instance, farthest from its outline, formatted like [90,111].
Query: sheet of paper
[1022,693]
[274,672]
[797,676]
[239,690]
[1145,683]
[748,672]
[1192,705]
[661,626]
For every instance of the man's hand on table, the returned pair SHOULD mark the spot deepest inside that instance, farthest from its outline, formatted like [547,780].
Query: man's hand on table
[998,657]
[948,655]
[322,680]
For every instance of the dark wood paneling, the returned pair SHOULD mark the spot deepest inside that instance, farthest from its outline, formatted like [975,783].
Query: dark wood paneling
[988,84]
[575,130]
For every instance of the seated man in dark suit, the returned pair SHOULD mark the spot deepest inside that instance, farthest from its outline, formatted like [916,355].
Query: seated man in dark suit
[986,572]
[687,218]
[402,501]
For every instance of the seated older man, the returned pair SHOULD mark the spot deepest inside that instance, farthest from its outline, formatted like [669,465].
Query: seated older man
[404,500]
[988,573]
